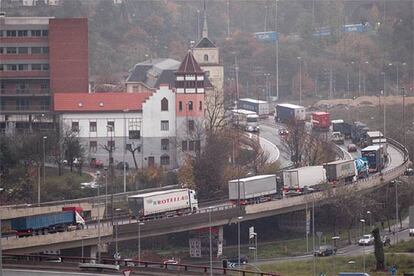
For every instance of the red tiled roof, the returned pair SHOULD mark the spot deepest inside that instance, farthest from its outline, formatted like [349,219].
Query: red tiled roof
[189,65]
[99,102]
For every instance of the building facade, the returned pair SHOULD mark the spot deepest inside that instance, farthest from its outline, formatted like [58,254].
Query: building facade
[39,56]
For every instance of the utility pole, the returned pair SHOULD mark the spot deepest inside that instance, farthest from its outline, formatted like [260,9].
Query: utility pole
[228,18]
[277,55]
[300,79]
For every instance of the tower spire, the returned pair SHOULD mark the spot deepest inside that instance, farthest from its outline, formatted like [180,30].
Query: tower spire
[205,28]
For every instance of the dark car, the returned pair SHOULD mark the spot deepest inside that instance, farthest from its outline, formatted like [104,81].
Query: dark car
[120,166]
[409,172]
[325,250]
[352,148]
[283,132]
[234,260]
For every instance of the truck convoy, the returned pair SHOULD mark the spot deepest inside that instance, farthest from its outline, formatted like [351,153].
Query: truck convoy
[342,127]
[163,203]
[320,121]
[47,223]
[257,188]
[260,107]
[245,119]
[340,171]
[375,155]
[290,113]
[301,179]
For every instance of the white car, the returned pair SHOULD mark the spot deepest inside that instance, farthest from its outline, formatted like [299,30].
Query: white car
[366,240]
[411,232]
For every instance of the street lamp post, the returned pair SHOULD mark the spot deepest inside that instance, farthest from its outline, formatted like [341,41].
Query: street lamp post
[139,223]
[116,234]
[238,239]
[99,221]
[365,76]
[211,243]
[370,218]
[300,79]
[385,108]
[363,246]
[106,191]
[124,151]
[334,239]
[44,171]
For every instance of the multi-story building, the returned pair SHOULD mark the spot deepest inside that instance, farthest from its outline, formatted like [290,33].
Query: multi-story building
[39,56]
[160,126]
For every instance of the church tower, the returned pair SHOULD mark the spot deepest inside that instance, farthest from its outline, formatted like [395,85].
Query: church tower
[207,55]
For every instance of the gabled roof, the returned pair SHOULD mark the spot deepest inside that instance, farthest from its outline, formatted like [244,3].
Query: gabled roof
[153,72]
[99,102]
[205,42]
[189,65]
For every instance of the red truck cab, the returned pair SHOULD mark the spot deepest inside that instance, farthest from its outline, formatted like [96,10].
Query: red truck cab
[321,120]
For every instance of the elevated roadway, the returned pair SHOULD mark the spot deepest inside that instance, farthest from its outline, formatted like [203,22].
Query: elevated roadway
[222,214]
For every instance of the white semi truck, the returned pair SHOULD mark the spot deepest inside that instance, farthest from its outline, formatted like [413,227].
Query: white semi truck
[245,119]
[253,189]
[163,203]
[302,179]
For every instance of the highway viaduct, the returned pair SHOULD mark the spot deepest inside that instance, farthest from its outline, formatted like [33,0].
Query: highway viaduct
[220,215]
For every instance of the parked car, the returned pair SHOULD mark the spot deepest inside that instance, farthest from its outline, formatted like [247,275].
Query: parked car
[411,232]
[243,260]
[120,166]
[352,148]
[386,241]
[95,163]
[366,240]
[409,172]
[325,250]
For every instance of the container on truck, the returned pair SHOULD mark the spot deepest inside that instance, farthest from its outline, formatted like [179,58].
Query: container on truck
[257,188]
[342,127]
[321,120]
[301,179]
[375,157]
[260,107]
[370,136]
[290,113]
[358,131]
[47,223]
[340,171]
[245,119]
[163,203]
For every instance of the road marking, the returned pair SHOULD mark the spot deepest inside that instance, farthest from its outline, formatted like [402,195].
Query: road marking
[272,145]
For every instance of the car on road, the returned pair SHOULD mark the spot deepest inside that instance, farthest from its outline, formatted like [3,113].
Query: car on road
[243,260]
[283,132]
[366,240]
[411,232]
[409,172]
[352,148]
[325,250]
[386,241]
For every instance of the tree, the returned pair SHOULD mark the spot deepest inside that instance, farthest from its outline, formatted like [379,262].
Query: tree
[214,112]
[73,149]
[379,250]
[132,148]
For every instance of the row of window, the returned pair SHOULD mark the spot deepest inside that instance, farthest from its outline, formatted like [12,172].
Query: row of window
[190,106]
[93,145]
[24,33]
[24,67]
[24,104]
[24,50]
[191,145]
[133,127]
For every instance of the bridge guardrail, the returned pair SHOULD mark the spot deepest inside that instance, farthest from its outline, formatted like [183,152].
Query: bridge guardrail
[127,263]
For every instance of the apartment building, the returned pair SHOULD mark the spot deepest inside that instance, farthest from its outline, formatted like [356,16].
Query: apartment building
[39,56]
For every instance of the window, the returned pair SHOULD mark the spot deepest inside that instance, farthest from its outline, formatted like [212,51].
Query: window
[75,126]
[93,146]
[1,33]
[11,33]
[205,57]
[36,32]
[1,50]
[164,104]
[92,126]
[191,145]
[165,125]
[190,105]
[165,144]
[45,103]
[45,32]
[36,50]
[197,145]
[11,67]
[191,125]
[180,106]
[36,67]
[134,134]
[165,160]
[184,145]
[200,106]
[110,126]
[45,67]
[45,50]
[111,144]
[23,50]
[1,68]
[22,104]
[23,67]
[22,33]
[11,50]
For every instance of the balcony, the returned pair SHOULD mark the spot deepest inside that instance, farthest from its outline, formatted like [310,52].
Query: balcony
[24,109]
[25,57]
[25,92]
[24,74]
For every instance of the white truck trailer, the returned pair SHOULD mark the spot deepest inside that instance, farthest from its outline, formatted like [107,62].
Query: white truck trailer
[258,106]
[300,180]
[170,202]
[245,119]
[340,171]
[253,189]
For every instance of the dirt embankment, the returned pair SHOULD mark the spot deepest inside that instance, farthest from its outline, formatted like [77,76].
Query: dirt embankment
[364,101]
